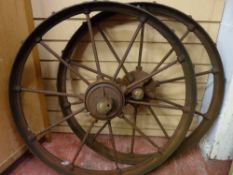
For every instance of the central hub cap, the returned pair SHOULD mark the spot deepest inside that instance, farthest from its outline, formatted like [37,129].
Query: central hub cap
[104,106]
[138,94]
[146,89]
[104,100]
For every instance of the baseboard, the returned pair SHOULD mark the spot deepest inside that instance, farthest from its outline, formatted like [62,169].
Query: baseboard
[12,158]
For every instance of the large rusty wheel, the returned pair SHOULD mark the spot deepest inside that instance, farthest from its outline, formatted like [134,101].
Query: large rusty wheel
[105,98]
[215,70]
[137,94]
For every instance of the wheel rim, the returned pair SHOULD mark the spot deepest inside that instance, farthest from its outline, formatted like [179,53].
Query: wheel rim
[77,129]
[217,71]
[16,90]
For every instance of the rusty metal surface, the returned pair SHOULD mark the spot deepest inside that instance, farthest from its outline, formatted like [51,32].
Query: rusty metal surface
[129,83]
[30,138]
[216,71]
[105,100]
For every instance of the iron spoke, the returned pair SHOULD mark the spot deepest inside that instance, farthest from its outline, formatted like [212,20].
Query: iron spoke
[158,121]
[169,52]
[58,123]
[89,69]
[83,141]
[93,45]
[113,143]
[140,132]
[113,51]
[134,84]
[177,105]
[128,49]
[51,93]
[61,60]
[155,105]
[141,47]
[182,77]
[133,133]
[99,131]
[76,103]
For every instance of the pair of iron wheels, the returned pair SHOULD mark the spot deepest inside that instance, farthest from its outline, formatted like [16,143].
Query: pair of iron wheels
[127,88]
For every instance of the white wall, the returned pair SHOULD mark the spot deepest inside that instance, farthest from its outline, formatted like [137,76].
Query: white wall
[218,143]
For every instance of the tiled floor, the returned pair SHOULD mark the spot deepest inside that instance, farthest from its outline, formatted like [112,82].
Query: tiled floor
[192,163]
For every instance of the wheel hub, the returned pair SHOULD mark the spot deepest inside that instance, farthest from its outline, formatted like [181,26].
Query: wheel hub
[104,106]
[104,100]
[138,94]
[145,89]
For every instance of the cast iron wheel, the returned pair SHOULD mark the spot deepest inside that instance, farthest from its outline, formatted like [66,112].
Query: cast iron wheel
[16,90]
[65,104]
[216,69]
